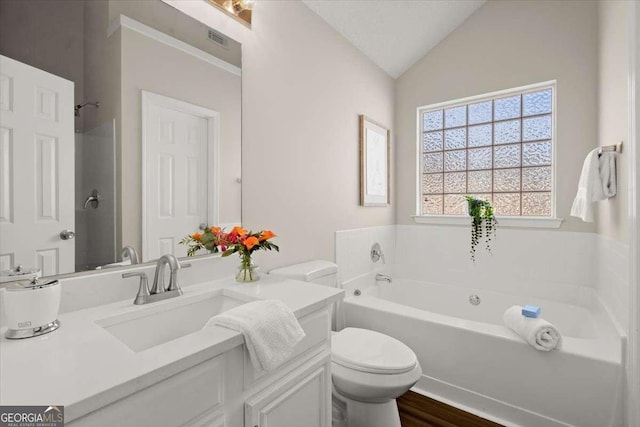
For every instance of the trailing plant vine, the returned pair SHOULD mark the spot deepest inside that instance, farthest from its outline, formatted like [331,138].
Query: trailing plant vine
[483,224]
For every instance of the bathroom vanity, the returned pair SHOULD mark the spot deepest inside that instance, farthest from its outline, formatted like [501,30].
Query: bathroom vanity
[154,365]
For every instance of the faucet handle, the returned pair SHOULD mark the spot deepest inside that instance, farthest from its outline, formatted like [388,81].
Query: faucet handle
[143,290]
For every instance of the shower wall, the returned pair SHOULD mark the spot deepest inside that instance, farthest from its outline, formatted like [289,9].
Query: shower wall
[95,169]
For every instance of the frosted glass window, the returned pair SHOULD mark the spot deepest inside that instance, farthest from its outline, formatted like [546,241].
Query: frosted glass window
[480,112]
[506,108]
[454,117]
[496,147]
[432,120]
[433,141]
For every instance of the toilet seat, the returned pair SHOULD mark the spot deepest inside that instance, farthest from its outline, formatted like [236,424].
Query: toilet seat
[371,352]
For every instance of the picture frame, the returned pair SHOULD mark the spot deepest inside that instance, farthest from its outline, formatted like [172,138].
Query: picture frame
[375,140]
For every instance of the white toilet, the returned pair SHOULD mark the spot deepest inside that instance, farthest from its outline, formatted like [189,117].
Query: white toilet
[369,369]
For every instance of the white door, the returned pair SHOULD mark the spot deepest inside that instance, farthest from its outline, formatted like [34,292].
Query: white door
[179,157]
[37,167]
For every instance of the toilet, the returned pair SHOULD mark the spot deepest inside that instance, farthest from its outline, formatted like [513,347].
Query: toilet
[369,369]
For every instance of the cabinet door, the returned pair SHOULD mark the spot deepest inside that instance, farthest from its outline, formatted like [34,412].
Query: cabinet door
[301,398]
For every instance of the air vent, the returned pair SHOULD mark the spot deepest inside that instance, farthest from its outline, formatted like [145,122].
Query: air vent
[216,37]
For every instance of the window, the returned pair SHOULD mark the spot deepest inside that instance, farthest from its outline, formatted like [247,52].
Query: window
[497,147]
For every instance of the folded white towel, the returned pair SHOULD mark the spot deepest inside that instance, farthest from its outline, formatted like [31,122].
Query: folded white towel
[590,188]
[270,331]
[608,174]
[541,334]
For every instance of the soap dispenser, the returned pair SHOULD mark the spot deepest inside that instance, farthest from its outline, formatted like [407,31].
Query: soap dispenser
[31,308]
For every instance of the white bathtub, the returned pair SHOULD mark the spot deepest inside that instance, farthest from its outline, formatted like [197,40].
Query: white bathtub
[471,360]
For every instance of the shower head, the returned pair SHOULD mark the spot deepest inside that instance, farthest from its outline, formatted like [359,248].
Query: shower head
[79,106]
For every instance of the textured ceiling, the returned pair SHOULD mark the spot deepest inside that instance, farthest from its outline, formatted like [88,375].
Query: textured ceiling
[394,34]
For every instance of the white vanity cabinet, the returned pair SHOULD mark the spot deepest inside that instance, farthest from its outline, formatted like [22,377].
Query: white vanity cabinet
[225,391]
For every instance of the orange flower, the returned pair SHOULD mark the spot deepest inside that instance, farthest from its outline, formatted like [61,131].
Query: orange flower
[239,231]
[196,236]
[266,235]
[215,230]
[250,242]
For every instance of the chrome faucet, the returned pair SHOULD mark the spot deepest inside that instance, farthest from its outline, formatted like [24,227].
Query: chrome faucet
[383,278]
[159,291]
[130,252]
[376,253]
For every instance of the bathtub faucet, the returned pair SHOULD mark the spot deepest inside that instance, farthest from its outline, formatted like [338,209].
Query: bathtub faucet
[376,253]
[383,278]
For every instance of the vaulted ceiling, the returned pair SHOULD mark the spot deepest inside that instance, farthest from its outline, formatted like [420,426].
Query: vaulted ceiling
[394,34]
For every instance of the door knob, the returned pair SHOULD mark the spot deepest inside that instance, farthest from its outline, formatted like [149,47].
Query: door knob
[67,234]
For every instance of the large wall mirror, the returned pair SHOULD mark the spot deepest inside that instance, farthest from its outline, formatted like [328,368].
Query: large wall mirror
[120,126]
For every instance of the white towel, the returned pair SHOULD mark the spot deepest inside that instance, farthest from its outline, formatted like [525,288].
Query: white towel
[541,334]
[590,188]
[270,331]
[608,174]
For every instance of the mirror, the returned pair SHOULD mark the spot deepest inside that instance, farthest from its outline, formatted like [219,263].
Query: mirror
[120,127]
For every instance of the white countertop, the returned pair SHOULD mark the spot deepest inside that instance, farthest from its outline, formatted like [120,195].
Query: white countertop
[84,367]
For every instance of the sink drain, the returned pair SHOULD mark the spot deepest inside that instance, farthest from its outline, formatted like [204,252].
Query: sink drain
[474,300]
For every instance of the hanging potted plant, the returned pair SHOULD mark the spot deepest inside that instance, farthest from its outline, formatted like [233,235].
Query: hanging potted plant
[483,223]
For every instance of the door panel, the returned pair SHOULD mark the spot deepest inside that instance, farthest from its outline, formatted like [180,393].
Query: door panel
[37,168]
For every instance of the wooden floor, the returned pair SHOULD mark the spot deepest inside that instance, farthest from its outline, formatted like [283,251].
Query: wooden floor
[417,410]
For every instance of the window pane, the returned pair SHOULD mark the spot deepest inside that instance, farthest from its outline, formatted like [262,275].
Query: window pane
[538,204]
[507,132]
[480,181]
[432,205]
[455,204]
[432,183]
[455,138]
[506,108]
[433,162]
[480,113]
[506,180]
[455,182]
[432,141]
[456,116]
[536,128]
[432,120]
[455,160]
[479,135]
[536,103]
[507,204]
[507,156]
[536,153]
[480,158]
[536,179]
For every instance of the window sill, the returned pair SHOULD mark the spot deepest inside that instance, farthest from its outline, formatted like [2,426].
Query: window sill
[505,221]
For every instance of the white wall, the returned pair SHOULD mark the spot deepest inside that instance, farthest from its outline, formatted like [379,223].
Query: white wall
[303,87]
[506,44]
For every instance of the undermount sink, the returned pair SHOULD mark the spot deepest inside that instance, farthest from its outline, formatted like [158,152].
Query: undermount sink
[157,324]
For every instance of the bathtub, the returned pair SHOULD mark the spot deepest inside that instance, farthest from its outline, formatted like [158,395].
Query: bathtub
[472,361]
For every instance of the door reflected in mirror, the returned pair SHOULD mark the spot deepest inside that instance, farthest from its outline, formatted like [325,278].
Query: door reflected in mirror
[120,126]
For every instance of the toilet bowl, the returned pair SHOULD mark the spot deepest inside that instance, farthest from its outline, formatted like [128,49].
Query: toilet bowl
[369,370]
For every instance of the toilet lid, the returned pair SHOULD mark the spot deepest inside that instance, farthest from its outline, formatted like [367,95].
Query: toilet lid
[370,351]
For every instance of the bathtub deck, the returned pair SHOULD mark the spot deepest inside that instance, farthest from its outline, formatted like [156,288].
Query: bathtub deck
[420,411]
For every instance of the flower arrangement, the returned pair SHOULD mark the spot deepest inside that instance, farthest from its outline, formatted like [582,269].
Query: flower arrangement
[238,240]
[483,223]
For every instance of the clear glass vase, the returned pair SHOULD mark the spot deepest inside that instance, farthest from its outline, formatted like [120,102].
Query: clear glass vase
[247,271]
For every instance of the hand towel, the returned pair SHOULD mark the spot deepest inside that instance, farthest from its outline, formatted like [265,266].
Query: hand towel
[608,174]
[270,331]
[541,334]
[590,188]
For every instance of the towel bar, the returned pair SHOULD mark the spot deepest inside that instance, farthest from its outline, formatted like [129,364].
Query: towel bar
[617,148]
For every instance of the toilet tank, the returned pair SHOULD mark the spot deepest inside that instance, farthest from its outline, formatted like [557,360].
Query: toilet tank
[318,271]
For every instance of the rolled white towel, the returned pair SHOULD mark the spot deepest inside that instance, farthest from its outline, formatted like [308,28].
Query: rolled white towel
[541,334]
